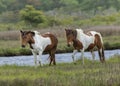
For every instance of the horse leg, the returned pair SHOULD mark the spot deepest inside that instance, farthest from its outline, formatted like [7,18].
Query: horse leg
[100,54]
[103,55]
[52,57]
[54,62]
[50,60]
[40,59]
[73,55]
[93,55]
[35,58]
[82,55]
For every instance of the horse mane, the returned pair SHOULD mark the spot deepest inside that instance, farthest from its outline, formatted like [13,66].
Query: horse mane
[36,32]
[80,30]
[74,32]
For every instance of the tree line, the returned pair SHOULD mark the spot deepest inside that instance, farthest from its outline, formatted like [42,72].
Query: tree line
[84,5]
[53,12]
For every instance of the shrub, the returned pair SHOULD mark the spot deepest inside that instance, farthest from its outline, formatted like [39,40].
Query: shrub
[32,16]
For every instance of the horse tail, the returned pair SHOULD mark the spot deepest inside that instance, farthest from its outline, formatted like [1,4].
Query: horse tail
[100,38]
[101,47]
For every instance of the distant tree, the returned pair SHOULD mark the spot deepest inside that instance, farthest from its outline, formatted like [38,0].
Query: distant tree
[69,6]
[116,4]
[50,4]
[32,16]
[93,5]
[2,7]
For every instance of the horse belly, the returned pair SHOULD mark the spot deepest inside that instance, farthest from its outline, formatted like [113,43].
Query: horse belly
[89,42]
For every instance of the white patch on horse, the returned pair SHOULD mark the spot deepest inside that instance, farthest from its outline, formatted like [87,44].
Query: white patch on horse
[85,39]
[40,42]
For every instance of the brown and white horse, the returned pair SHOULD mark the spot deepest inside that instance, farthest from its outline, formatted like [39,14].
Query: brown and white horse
[82,42]
[40,43]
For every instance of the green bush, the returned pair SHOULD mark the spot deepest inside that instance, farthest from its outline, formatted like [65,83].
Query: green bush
[32,16]
[14,52]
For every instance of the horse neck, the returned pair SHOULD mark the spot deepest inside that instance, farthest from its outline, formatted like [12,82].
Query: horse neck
[37,37]
[31,41]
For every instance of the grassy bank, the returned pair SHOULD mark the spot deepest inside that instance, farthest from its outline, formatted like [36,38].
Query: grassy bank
[65,74]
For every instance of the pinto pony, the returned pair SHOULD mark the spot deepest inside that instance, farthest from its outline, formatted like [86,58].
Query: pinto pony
[82,42]
[40,43]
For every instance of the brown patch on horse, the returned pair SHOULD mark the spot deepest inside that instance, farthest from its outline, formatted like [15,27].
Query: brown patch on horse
[97,42]
[77,44]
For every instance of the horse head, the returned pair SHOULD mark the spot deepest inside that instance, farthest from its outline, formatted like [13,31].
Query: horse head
[26,37]
[70,35]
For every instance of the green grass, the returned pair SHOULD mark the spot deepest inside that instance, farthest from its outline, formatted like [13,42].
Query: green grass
[64,74]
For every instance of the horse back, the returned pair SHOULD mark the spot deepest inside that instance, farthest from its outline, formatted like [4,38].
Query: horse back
[54,41]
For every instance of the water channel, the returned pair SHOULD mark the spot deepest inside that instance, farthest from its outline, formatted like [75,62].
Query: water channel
[60,58]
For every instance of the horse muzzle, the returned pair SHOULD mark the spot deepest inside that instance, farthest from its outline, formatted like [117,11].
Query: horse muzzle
[70,43]
[23,46]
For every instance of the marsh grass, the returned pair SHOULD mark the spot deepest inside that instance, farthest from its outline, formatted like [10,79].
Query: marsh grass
[63,74]
[110,30]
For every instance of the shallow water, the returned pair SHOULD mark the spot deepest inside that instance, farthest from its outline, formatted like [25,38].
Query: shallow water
[60,58]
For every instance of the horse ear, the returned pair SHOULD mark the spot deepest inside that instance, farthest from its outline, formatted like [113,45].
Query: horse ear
[66,29]
[21,31]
